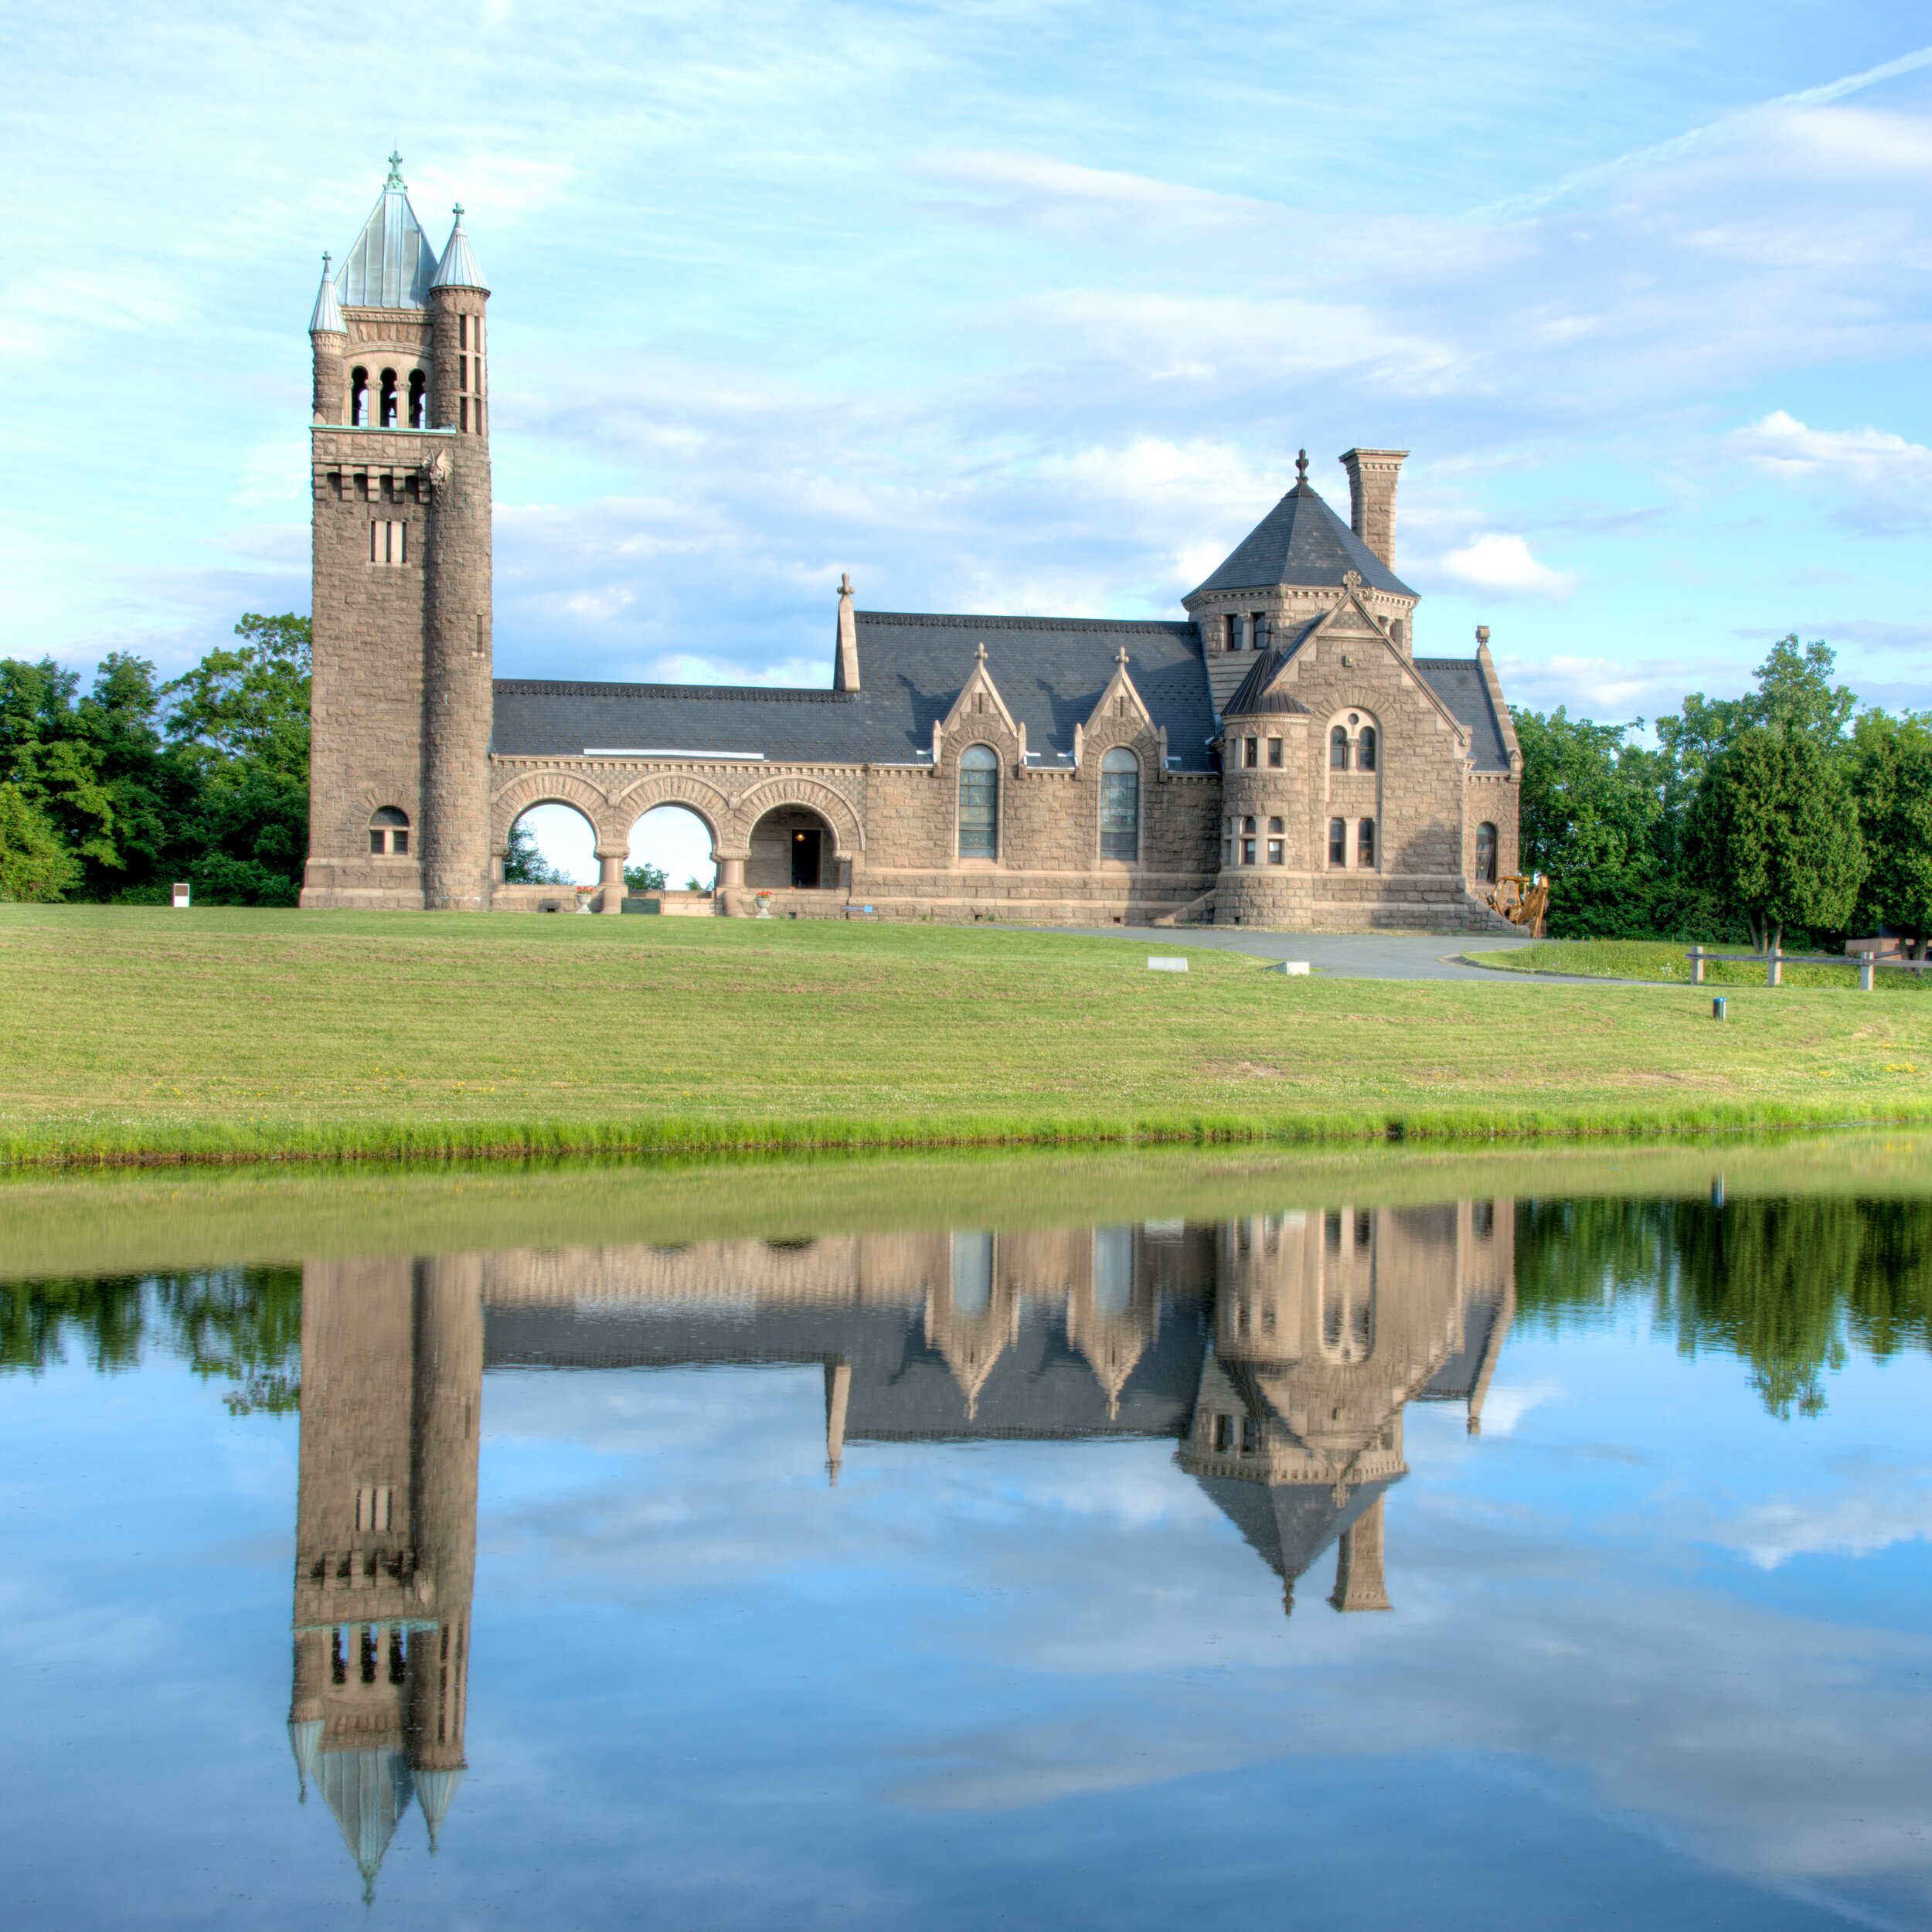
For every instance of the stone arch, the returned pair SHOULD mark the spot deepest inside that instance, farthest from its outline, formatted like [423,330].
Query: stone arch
[849,835]
[548,788]
[697,796]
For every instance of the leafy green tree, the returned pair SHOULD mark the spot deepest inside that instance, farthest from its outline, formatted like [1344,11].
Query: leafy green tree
[1773,832]
[524,863]
[238,726]
[1891,776]
[1593,820]
[644,879]
[35,862]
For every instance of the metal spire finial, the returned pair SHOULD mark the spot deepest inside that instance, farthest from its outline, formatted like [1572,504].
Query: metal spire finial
[457,210]
[1301,466]
[395,170]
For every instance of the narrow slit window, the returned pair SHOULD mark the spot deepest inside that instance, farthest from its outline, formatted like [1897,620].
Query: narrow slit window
[419,399]
[1338,842]
[1231,630]
[1365,842]
[1251,753]
[1274,754]
[1338,749]
[1247,841]
[1258,633]
[979,802]
[388,397]
[358,398]
[1486,854]
[1365,755]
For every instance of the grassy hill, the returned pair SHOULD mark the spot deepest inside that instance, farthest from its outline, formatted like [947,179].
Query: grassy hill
[139,1032]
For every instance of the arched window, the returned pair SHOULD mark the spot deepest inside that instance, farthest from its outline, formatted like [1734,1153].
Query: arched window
[1365,750]
[1120,804]
[389,833]
[1365,842]
[1338,842]
[1276,847]
[1486,854]
[358,397]
[1247,841]
[419,399]
[387,417]
[979,802]
[1338,749]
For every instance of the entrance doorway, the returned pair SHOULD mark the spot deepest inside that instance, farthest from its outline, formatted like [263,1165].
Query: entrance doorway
[805,860]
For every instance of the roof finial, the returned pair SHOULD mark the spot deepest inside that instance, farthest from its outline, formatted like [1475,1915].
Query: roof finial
[1119,657]
[979,652]
[1300,466]
[458,211]
[844,583]
[324,261]
[395,170]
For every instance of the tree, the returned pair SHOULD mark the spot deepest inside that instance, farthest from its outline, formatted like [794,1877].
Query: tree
[1592,820]
[524,863]
[35,862]
[238,730]
[644,879]
[1891,776]
[1774,832]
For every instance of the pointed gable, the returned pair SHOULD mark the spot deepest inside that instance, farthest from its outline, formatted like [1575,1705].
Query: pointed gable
[1120,700]
[1301,541]
[1262,693]
[979,706]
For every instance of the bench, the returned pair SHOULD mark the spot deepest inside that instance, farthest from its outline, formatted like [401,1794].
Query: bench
[1775,962]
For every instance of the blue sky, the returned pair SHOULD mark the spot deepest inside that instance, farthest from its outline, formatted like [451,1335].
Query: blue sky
[1016,308]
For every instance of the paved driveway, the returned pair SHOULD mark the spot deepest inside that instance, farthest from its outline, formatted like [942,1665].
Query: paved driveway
[1346,955]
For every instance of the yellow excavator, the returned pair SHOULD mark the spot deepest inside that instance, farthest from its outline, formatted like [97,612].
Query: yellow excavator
[1523,900]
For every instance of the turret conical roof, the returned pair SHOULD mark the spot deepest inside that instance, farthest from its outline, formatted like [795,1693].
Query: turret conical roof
[457,269]
[1301,541]
[392,263]
[326,317]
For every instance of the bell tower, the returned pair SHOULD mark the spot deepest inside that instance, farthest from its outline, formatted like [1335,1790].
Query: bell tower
[400,707]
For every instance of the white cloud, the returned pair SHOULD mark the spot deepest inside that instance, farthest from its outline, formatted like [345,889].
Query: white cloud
[1502,564]
[1864,460]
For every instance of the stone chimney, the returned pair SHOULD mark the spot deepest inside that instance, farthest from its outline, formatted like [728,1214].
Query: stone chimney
[1371,499]
[1358,1570]
[844,670]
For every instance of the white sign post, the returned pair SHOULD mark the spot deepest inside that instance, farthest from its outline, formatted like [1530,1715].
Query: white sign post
[181,894]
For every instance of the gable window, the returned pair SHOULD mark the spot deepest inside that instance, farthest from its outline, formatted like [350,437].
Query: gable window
[1365,842]
[1274,754]
[1231,630]
[1338,749]
[389,833]
[979,802]
[1365,750]
[1486,854]
[389,542]
[1247,841]
[1338,842]
[1275,847]
[1120,804]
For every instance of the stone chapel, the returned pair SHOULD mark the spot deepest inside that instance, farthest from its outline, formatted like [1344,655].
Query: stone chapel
[1278,755]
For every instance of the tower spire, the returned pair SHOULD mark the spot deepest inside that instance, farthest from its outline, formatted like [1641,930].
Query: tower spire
[395,170]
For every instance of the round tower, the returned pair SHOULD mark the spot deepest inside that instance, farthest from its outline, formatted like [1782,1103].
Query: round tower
[457,693]
[1265,826]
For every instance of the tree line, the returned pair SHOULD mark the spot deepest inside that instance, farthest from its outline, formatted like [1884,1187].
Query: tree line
[1788,815]
[116,791]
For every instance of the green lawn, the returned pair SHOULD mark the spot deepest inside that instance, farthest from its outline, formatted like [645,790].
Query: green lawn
[133,1031]
[1663,960]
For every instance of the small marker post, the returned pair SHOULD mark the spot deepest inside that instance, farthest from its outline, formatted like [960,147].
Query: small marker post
[1717,1006]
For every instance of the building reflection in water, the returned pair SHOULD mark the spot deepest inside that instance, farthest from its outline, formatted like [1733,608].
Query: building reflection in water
[1278,1350]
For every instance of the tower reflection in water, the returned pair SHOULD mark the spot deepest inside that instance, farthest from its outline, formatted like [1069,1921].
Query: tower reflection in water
[1277,1351]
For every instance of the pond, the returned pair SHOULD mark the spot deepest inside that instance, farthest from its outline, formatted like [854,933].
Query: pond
[1128,1543]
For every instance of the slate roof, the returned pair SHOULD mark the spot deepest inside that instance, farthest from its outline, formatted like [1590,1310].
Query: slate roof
[1460,683]
[1050,671]
[1252,697]
[1301,541]
[1289,1524]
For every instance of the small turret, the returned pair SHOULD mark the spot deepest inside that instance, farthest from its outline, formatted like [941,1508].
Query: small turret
[329,334]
